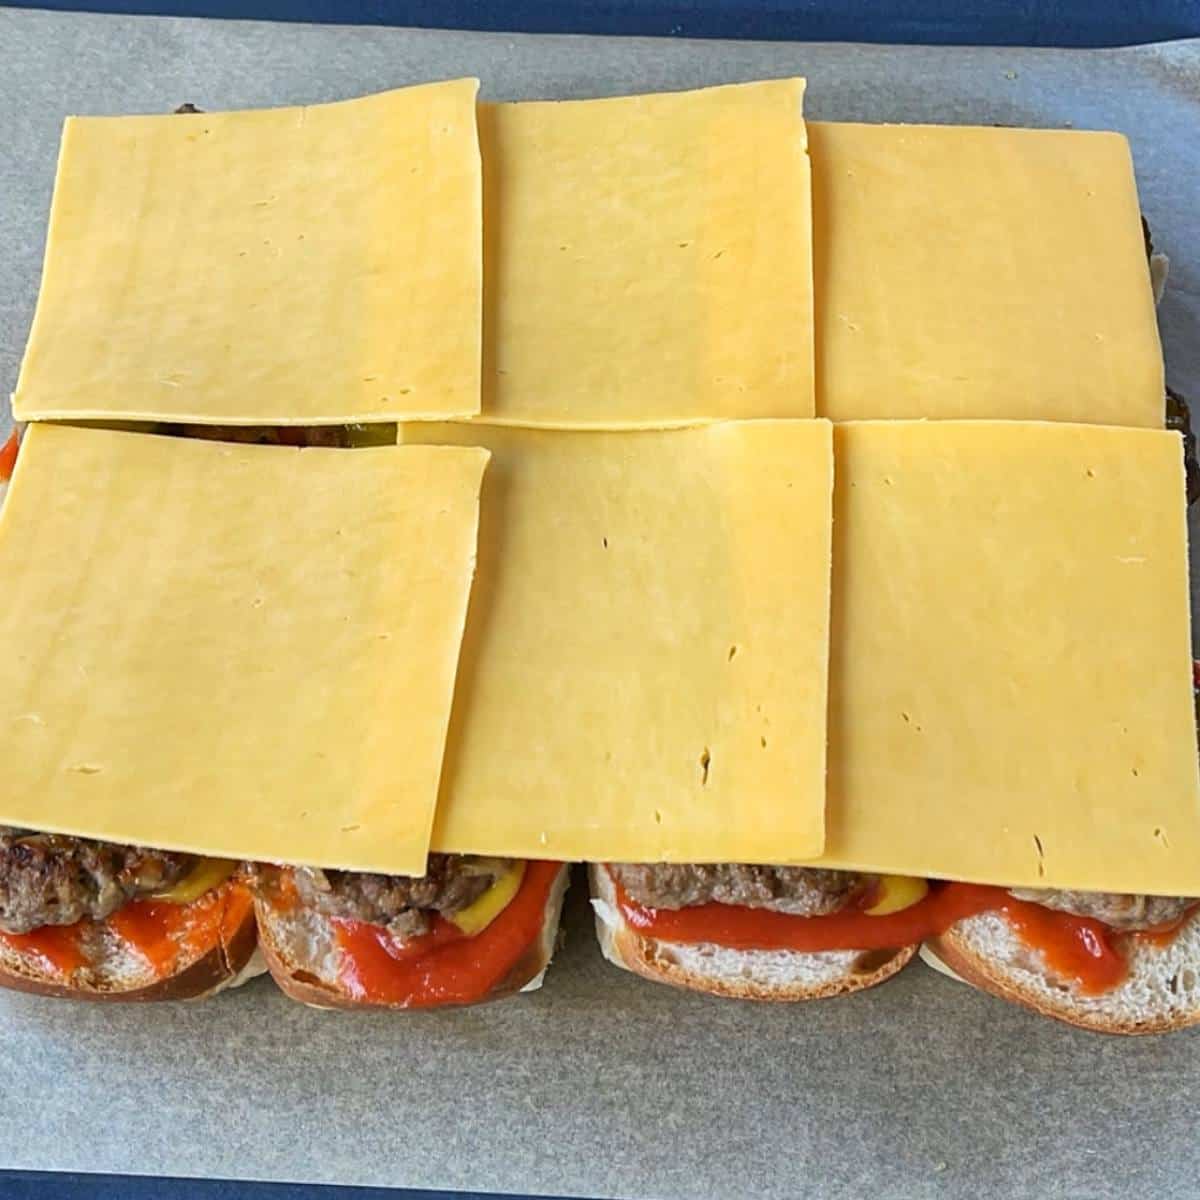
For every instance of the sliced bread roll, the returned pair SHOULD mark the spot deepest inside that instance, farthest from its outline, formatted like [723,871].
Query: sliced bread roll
[738,974]
[304,959]
[117,972]
[1161,992]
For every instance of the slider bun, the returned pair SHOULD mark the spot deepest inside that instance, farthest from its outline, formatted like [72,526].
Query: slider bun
[302,957]
[1161,993]
[740,974]
[128,978]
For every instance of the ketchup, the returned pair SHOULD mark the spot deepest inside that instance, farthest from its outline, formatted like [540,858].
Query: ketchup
[8,457]
[1080,949]
[445,966]
[55,946]
[149,927]
[163,933]
[370,952]
[742,928]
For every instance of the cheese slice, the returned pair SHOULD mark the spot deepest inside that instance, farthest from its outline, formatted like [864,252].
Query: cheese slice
[644,669]
[648,258]
[995,273]
[238,650]
[1010,697]
[285,266]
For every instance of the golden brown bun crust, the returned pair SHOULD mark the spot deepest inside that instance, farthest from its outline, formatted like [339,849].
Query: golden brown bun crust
[659,961]
[301,983]
[214,970]
[990,976]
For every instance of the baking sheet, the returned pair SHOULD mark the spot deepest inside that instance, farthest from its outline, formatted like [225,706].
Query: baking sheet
[599,1085]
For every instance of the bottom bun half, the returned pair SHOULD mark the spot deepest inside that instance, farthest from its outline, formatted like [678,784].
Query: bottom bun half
[124,976]
[1161,992]
[777,975]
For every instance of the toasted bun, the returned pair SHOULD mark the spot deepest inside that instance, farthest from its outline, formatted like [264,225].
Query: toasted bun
[1160,994]
[122,975]
[740,974]
[301,955]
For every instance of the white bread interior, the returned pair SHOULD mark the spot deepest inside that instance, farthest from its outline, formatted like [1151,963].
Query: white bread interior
[780,975]
[1160,994]
[303,957]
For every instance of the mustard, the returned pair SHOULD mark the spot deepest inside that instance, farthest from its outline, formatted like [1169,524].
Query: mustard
[897,892]
[479,914]
[203,877]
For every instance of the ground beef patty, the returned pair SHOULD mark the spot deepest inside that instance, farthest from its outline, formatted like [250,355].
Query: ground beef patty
[800,891]
[1120,911]
[266,435]
[51,879]
[403,903]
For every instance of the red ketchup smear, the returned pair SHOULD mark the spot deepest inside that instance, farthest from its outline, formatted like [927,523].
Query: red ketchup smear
[8,457]
[445,966]
[1080,949]
[54,946]
[166,934]
[742,928]
[161,933]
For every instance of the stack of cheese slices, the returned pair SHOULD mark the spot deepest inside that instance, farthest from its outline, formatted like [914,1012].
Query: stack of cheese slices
[416,496]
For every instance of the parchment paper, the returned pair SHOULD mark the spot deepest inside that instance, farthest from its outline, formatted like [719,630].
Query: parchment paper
[599,1085]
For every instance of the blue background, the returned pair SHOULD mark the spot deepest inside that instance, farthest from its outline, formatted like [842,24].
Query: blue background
[942,22]
[49,1185]
[974,22]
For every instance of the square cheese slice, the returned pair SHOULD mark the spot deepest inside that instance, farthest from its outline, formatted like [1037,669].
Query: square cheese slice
[991,273]
[1011,679]
[648,258]
[644,668]
[239,650]
[314,265]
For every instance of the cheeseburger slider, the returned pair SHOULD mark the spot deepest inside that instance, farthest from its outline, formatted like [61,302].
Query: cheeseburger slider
[757,932]
[1102,961]
[92,920]
[470,929]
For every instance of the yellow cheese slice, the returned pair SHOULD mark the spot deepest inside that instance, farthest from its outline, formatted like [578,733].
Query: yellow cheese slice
[995,273]
[243,651]
[644,669]
[648,258]
[285,266]
[1010,695]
